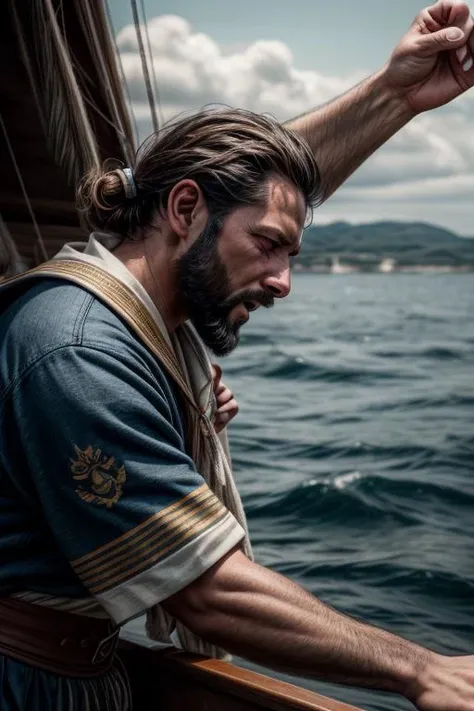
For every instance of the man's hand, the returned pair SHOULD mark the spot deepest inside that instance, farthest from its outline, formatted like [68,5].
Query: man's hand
[433,63]
[447,683]
[227,406]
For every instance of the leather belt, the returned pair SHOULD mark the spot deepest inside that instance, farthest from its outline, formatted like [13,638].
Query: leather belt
[56,641]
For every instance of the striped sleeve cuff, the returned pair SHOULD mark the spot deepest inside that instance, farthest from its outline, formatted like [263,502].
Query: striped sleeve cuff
[160,556]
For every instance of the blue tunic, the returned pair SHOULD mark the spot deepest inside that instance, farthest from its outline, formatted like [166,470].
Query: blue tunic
[99,500]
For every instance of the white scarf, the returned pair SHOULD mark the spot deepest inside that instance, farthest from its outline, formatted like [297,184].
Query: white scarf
[210,451]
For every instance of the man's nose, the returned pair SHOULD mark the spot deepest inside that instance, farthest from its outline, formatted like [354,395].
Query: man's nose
[278,285]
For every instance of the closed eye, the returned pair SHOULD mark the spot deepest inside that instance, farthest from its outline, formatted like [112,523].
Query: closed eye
[267,245]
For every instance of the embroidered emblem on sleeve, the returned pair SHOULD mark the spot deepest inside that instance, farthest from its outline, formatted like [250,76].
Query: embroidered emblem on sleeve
[101,478]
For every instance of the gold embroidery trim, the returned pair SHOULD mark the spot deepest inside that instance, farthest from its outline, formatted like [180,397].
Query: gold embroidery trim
[161,539]
[158,546]
[131,571]
[124,541]
[162,526]
[122,299]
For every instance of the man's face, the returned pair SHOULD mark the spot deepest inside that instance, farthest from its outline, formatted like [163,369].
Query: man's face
[240,264]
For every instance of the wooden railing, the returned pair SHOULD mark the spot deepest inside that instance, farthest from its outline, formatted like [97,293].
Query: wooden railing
[176,681]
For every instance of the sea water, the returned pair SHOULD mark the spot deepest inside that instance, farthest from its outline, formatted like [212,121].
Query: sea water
[354,451]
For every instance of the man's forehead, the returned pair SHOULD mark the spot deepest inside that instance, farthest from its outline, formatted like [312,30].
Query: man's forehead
[287,204]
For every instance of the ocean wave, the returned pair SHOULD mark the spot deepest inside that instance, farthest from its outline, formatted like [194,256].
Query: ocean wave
[296,368]
[428,318]
[354,497]
[438,353]
[432,400]
[337,449]
[338,499]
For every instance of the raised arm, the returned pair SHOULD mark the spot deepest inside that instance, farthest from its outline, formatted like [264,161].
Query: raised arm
[262,616]
[431,65]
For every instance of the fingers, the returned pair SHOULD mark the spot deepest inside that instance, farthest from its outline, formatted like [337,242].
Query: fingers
[219,389]
[449,38]
[216,371]
[223,420]
[223,396]
[226,405]
[460,16]
[225,414]
[444,15]
[468,29]
[229,406]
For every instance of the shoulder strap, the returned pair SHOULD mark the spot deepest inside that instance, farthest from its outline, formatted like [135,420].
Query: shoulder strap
[119,297]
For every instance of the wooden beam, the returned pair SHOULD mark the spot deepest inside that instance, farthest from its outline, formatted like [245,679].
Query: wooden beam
[177,681]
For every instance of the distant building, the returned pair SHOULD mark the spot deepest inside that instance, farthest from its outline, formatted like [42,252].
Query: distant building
[386,266]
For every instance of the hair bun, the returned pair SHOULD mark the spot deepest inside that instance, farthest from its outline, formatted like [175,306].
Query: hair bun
[99,195]
[108,190]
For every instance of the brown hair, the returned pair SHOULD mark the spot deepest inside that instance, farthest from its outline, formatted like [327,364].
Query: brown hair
[228,152]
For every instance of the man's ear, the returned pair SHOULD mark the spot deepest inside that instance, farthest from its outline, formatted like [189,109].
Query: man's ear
[187,210]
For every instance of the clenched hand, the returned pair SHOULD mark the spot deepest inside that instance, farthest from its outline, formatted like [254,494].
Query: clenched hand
[433,62]
[227,406]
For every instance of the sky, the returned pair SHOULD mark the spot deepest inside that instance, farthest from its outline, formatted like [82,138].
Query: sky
[286,57]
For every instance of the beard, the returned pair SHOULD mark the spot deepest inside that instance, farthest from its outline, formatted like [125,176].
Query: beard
[204,286]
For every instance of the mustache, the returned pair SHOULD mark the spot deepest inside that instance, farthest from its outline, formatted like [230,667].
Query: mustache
[260,296]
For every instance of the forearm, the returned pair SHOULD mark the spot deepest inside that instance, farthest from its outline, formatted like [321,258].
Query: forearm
[346,131]
[264,617]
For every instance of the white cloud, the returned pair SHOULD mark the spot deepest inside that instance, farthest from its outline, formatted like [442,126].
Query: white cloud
[426,171]
[192,71]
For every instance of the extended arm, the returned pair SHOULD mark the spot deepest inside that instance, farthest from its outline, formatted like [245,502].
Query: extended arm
[346,131]
[431,65]
[262,616]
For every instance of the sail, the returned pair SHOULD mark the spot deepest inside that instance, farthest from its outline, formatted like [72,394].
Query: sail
[62,111]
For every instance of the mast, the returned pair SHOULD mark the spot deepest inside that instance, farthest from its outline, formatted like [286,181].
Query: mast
[63,110]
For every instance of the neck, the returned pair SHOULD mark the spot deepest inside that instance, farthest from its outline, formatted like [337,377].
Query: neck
[150,265]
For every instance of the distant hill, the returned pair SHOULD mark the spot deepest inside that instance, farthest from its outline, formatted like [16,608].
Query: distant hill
[364,246]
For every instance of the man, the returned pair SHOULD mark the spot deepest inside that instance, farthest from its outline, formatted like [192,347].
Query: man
[116,494]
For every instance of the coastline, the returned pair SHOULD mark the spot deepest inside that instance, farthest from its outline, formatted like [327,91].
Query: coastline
[382,269]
